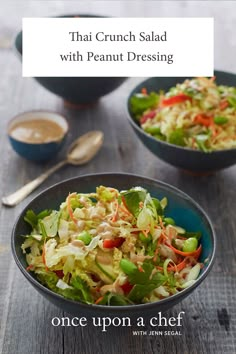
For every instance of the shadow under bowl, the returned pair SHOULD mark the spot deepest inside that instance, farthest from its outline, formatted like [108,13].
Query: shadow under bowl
[195,161]
[181,207]
[78,92]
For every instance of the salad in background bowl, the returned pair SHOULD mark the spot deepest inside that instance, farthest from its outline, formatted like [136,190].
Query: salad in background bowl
[190,123]
[138,245]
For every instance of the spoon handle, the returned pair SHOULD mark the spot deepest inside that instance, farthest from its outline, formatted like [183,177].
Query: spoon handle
[16,197]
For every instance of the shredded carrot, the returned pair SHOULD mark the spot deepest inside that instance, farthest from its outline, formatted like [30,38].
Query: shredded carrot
[146,232]
[224,104]
[125,211]
[144,91]
[124,204]
[30,267]
[194,254]
[69,208]
[114,190]
[160,239]
[157,249]
[177,267]
[140,269]
[44,258]
[181,237]
[141,204]
[161,223]
[116,214]
[215,130]
[99,299]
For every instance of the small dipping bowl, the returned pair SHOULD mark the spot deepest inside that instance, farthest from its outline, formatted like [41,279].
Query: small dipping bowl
[40,149]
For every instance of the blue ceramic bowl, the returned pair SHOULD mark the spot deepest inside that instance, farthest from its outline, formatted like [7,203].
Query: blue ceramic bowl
[187,159]
[38,151]
[76,91]
[181,207]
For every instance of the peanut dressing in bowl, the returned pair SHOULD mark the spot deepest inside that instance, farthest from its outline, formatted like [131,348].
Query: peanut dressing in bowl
[36,131]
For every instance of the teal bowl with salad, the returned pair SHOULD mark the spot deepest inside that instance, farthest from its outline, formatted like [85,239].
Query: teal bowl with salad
[189,123]
[113,244]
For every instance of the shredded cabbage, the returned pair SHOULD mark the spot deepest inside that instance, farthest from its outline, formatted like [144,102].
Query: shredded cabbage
[110,247]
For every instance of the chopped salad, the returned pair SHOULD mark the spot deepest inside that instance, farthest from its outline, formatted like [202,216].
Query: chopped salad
[111,248]
[197,114]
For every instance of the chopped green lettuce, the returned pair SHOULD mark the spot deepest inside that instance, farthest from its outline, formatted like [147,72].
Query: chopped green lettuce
[201,142]
[232,101]
[177,137]
[32,218]
[133,197]
[105,194]
[139,103]
[51,223]
[158,206]
[78,290]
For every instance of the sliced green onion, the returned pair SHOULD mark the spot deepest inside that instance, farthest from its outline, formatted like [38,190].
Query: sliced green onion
[165,265]
[220,120]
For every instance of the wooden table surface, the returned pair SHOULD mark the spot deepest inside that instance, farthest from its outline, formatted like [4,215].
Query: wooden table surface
[25,316]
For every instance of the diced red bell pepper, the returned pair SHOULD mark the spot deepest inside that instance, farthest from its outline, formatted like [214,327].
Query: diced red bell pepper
[144,91]
[126,287]
[95,277]
[149,115]
[223,104]
[117,242]
[59,273]
[203,119]
[181,97]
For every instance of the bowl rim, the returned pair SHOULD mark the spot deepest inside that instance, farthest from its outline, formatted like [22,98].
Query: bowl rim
[135,307]
[45,112]
[136,126]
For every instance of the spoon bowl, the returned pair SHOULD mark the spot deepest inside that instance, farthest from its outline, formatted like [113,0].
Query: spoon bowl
[85,148]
